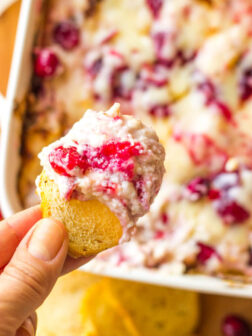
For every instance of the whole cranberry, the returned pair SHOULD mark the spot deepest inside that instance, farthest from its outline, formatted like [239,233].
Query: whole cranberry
[214,194]
[155,6]
[67,35]
[246,85]
[164,218]
[160,111]
[231,211]
[205,253]
[197,188]
[46,63]
[234,325]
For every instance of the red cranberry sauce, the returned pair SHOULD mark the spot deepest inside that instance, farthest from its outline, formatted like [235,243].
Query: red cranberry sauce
[64,160]
[112,156]
[66,34]
[46,63]
[234,325]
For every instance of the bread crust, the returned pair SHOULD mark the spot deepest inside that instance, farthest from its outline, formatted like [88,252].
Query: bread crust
[91,225]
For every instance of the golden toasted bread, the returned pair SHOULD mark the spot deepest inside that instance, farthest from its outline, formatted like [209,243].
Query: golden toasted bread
[91,226]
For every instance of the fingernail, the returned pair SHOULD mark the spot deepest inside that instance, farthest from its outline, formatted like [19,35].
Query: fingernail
[46,240]
[26,329]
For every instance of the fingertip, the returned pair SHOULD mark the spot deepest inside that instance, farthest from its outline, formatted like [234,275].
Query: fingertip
[47,239]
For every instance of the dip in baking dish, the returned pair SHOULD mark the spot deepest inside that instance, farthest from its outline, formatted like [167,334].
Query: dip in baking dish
[184,67]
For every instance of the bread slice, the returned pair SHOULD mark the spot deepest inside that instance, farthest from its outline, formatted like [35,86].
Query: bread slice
[91,225]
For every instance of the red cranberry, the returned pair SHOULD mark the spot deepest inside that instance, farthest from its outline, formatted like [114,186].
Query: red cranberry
[197,188]
[209,91]
[205,253]
[116,156]
[183,58]
[118,88]
[67,35]
[139,185]
[160,111]
[160,40]
[246,85]
[64,160]
[224,110]
[155,6]
[109,188]
[231,212]
[83,162]
[164,218]
[153,74]
[123,150]
[46,63]
[159,235]
[214,194]
[113,156]
[234,325]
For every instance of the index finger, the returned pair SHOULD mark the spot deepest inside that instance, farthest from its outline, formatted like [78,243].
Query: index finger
[13,229]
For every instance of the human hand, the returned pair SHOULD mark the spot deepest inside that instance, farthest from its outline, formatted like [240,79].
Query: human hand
[33,254]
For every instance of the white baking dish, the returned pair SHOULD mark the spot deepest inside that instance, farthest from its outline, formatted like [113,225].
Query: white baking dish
[11,132]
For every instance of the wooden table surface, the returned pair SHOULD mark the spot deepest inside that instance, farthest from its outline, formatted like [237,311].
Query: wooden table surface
[213,307]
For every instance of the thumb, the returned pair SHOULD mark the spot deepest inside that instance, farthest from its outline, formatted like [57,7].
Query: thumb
[30,275]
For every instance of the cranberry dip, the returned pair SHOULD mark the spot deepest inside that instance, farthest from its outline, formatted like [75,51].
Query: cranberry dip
[109,157]
[184,67]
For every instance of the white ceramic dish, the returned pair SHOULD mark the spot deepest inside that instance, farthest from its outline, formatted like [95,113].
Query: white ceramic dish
[9,161]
